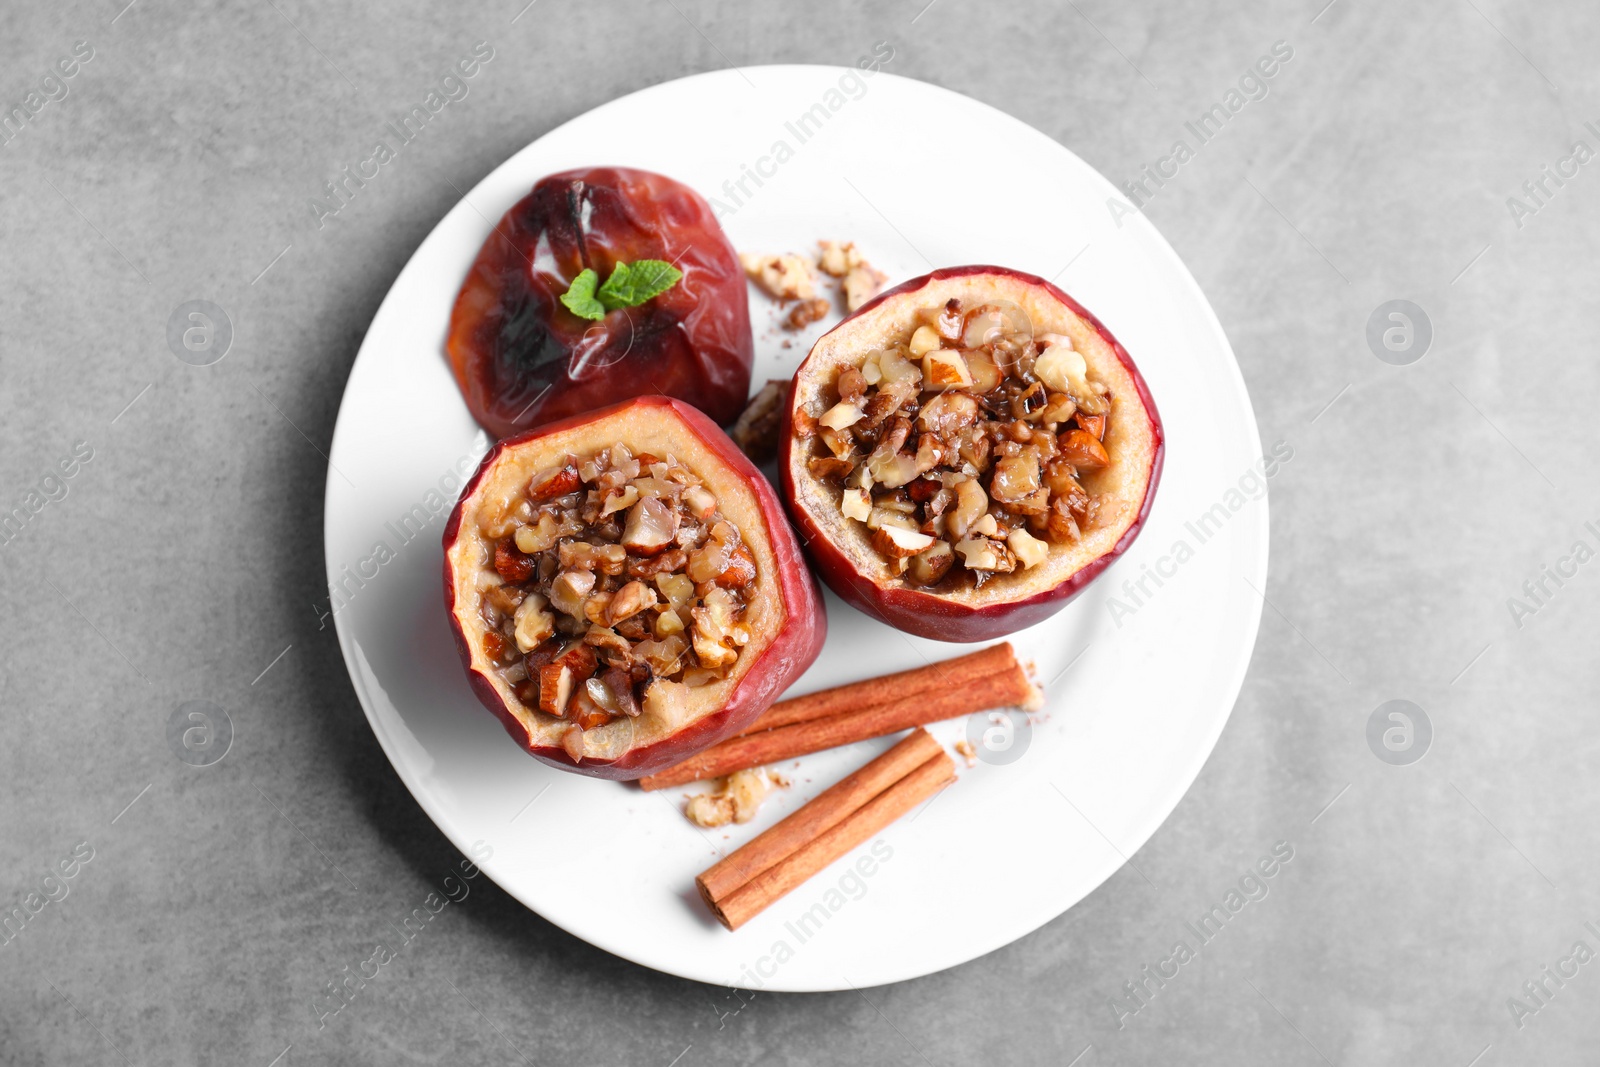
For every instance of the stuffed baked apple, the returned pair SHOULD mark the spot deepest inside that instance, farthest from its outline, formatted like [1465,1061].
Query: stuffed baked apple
[602,284]
[967,452]
[625,590]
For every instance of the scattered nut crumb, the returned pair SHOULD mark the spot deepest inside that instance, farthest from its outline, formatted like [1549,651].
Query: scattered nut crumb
[789,277]
[968,753]
[778,780]
[837,259]
[805,313]
[708,810]
[737,798]
[756,432]
[1035,698]
[862,284]
[786,277]
[861,281]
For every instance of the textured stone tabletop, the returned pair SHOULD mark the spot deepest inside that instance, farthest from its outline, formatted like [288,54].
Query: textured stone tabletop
[1431,537]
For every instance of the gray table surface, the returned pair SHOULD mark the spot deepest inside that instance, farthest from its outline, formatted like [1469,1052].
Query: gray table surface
[215,904]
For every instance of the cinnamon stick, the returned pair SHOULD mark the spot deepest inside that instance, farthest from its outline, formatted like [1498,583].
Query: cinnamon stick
[754,896]
[1003,689]
[945,674]
[820,814]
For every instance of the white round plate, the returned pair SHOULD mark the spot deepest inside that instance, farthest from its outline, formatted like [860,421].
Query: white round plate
[1138,683]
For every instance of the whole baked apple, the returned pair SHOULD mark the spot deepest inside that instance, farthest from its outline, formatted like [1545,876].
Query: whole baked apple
[523,357]
[625,589]
[968,451]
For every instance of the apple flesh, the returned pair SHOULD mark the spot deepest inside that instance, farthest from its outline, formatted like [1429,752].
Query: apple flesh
[784,611]
[522,358]
[860,565]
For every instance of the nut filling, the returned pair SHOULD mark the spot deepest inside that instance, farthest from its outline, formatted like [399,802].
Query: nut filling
[616,584]
[961,446]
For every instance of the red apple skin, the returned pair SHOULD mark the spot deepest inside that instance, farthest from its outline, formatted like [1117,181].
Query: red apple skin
[793,649]
[522,359]
[941,618]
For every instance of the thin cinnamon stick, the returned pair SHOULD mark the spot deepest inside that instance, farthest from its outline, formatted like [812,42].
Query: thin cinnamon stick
[1004,689]
[945,674]
[820,814]
[760,892]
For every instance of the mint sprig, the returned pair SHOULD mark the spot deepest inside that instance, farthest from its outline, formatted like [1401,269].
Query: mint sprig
[629,286]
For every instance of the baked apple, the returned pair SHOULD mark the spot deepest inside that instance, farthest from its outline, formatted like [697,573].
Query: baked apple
[968,451]
[625,589]
[523,356]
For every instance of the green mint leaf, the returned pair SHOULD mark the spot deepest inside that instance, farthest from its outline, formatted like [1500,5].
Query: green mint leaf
[652,277]
[579,297]
[632,284]
[617,292]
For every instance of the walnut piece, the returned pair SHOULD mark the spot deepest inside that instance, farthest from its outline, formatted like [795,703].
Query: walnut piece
[785,277]
[736,799]
[862,284]
[861,281]
[806,312]
[837,259]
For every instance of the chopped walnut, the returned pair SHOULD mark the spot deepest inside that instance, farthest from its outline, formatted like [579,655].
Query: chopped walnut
[717,637]
[736,799]
[862,284]
[785,277]
[861,281]
[806,312]
[837,259]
